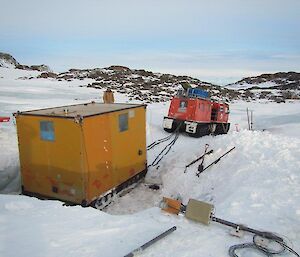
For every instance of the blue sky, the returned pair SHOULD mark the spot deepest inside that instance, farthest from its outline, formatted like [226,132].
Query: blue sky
[218,41]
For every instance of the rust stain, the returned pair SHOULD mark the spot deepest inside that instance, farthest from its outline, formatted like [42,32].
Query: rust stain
[97,184]
[131,172]
[69,184]
[52,181]
[28,174]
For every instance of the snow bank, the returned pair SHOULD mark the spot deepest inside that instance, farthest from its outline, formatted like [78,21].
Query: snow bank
[10,73]
[46,228]
[245,85]
[256,184]
[9,162]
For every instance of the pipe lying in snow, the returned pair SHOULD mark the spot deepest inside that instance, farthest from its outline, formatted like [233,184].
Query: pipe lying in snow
[151,242]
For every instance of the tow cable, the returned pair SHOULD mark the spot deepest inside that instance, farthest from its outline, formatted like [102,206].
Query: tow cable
[167,148]
[153,179]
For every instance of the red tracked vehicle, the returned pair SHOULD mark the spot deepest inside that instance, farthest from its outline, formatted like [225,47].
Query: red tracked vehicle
[196,114]
[4,119]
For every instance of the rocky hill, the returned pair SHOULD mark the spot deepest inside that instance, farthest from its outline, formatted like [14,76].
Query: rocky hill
[140,84]
[279,80]
[149,87]
[8,61]
[277,86]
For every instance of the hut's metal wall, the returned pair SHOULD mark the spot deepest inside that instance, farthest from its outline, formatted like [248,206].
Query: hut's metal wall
[129,147]
[98,154]
[52,168]
[114,156]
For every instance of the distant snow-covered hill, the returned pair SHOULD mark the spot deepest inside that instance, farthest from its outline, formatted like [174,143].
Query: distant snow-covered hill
[277,86]
[139,84]
[149,87]
[8,61]
[279,80]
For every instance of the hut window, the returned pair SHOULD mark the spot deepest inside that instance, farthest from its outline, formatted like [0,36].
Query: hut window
[123,122]
[47,130]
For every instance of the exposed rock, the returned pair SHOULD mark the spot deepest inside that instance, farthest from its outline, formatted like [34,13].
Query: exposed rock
[141,84]
[119,68]
[280,86]
[281,80]
[149,87]
[41,67]
[46,75]
[7,61]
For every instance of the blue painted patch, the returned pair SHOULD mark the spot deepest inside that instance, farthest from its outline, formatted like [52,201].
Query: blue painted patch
[47,130]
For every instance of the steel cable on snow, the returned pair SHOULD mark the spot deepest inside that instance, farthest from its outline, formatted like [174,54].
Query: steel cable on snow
[167,148]
[164,152]
[157,142]
[265,250]
[164,139]
[271,237]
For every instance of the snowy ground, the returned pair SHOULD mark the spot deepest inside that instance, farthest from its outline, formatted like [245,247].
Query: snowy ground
[257,184]
[245,85]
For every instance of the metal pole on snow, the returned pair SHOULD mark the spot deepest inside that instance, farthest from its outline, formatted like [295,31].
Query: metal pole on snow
[248,118]
[216,161]
[151,242]
[251,120]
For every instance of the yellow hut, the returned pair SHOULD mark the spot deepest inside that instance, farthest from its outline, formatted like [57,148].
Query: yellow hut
[81,153]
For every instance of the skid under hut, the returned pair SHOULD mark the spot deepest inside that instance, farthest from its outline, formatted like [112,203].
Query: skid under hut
[83,152]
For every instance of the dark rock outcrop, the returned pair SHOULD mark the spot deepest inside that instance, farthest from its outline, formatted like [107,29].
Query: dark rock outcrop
[7,60]
[281,80]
